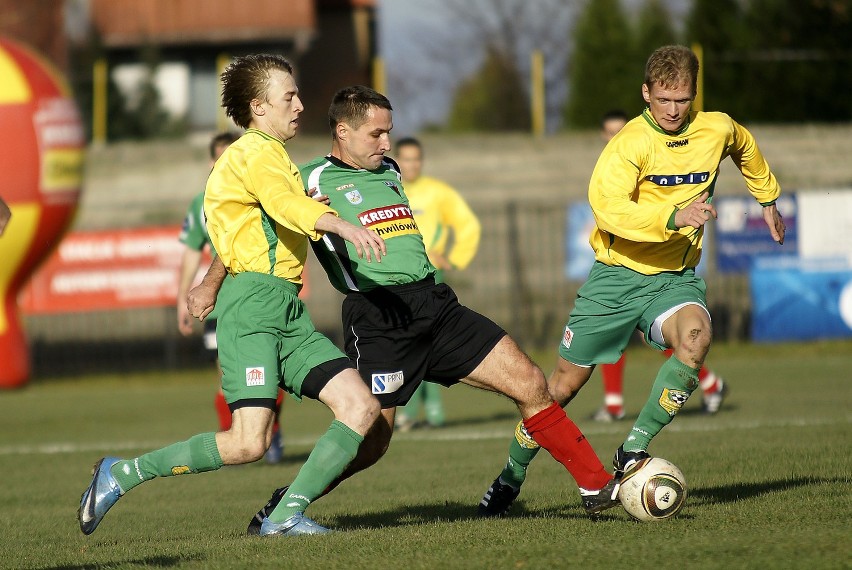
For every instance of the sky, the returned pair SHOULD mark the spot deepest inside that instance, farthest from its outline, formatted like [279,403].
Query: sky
[417,40]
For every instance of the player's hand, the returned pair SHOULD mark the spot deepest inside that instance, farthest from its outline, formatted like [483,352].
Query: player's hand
[696,214]
[367,243]
[321,198]
[773,219]
[439,261]
[201,300]
[184,319]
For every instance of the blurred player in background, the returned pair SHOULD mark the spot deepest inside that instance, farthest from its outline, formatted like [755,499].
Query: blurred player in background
[259,221]
[651,194]
[450,233]
[400,326]
[713,388]
[194,236]
[5,216]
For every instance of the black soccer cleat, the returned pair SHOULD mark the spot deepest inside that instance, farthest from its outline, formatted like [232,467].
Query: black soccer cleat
[623,461]
[256,521]
[601,499]
[497,500]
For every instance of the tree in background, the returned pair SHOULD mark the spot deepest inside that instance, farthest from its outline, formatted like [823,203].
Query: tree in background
[494,99]
[719,26]
[602,74]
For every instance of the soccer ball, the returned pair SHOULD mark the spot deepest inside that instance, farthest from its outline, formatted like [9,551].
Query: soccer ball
[654,489]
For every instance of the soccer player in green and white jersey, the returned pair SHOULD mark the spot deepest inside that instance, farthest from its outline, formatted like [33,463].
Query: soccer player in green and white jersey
[399,325]
[651,193]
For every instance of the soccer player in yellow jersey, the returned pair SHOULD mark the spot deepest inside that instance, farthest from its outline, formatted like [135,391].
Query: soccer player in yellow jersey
[651,193]
[440,212]
[259,219]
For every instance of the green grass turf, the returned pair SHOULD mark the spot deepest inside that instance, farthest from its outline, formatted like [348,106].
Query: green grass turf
[768,477]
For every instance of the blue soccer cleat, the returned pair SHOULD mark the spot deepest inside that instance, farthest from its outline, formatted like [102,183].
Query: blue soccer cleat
[102,494]
[296,525]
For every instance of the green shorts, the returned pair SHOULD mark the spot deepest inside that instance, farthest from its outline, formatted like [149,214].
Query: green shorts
[616,301]
[266,339]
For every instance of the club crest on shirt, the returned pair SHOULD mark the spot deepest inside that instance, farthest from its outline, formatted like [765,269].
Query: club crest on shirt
[354,197]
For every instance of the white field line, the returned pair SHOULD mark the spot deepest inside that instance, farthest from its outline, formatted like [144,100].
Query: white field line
[449,434]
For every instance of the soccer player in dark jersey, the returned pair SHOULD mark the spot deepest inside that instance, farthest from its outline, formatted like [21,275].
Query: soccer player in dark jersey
[400,326]
[651,193]
[259,221]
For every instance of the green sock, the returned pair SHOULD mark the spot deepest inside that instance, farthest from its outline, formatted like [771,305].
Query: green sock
[195,455]
[332,453]
[675,382]
[433,403]
[522,451]
[412,409]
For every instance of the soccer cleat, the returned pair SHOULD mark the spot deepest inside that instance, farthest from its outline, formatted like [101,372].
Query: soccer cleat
[497,500]
[711,403]
[605,416]
[257,520]
[595,501]
[623,461]
[296,525]
[403,423]
[102,493]
[275,453]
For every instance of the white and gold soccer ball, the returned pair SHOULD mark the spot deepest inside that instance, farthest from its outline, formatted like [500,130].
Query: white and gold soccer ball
[654,489]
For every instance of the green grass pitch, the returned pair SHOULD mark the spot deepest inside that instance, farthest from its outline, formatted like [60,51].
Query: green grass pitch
[768,478]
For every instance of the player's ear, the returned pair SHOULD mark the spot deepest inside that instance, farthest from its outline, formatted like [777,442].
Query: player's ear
[646,93]
[257,108]
[342,131]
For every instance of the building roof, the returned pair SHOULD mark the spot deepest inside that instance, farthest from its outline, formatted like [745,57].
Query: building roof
[126,23]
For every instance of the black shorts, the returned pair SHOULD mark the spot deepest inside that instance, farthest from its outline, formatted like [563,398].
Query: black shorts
[401,334]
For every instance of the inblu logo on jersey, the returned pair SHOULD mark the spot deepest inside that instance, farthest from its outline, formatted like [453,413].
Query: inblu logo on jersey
[387,382]
[255,376]
[676,179]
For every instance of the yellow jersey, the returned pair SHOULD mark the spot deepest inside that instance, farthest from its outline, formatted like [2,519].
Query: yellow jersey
[437,208]
[645,174]
[258,214]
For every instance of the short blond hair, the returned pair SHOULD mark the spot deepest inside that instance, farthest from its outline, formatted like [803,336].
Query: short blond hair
[671,67]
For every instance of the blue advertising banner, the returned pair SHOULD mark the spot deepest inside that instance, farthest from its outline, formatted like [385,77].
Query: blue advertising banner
[742,234]
[801,299]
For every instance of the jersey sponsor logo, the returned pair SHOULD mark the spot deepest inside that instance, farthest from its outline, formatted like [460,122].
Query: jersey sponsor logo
[676,179]
[567,337]
[354,197]
[390,221]
[387,382]
[345,187]
[255,376]
[675,144]
[673,400]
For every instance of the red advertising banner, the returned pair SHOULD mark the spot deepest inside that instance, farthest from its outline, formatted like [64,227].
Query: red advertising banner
[112,269]
[103,270]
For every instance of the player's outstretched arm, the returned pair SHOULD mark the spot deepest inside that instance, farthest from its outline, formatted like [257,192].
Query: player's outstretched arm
[773,219]
[367,243]
[189,262]
[696,214]
[201,299]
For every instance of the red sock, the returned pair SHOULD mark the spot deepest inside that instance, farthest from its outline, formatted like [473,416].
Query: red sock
[613,383]
[555,432]
[223,411]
